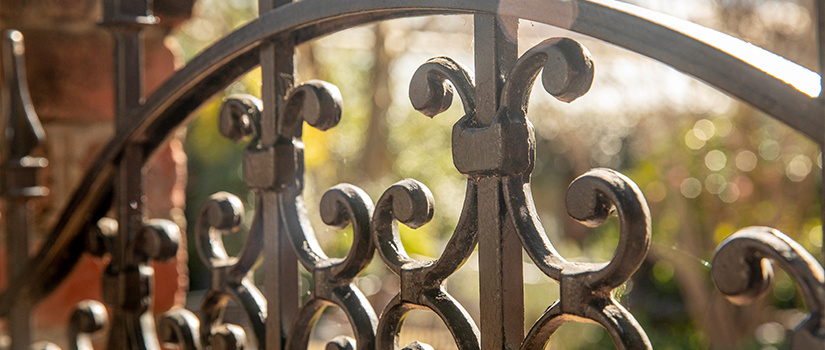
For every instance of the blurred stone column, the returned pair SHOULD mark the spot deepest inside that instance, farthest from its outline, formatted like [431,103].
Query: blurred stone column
[69,64]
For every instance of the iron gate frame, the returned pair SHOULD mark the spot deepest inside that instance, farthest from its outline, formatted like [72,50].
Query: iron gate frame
[493,146]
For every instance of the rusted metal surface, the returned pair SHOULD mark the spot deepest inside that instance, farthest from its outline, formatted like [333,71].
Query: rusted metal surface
[493,145]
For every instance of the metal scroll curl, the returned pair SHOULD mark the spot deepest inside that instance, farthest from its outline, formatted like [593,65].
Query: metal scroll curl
[157,240]
[179,328]
[567,73]
[586,287]
[88,317]
[222,214]
[411,203]
[742,270]
[333,278]
[431,88]
[266,167]
[508,142]
[318,103]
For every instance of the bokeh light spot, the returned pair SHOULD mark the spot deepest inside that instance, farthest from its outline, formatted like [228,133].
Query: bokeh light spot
[769,150]
[746,160]
[715,160]
[691,187]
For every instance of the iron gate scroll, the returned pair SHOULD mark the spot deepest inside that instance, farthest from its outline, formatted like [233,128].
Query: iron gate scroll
[493,146]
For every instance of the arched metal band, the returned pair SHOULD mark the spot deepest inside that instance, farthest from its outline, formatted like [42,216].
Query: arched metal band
[749,73]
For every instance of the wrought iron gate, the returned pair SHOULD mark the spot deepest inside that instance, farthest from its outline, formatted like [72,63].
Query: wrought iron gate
[493,145]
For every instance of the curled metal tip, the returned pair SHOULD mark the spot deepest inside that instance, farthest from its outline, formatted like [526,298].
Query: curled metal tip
[416,345]
[341,343]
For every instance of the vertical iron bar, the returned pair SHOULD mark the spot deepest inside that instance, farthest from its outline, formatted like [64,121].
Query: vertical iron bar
[17,241]
[499,249]
[281,271]
[23,132]
[17,248]
[127,287]
[820,39]
[131,323]
[128,93]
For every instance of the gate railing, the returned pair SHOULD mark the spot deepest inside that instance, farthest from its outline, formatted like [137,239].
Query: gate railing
[493,145]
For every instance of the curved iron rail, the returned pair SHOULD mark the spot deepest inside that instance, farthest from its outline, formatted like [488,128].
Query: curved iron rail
[753,75]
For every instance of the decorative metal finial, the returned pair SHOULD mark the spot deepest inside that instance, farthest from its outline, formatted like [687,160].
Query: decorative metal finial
[22,130]
[21,133]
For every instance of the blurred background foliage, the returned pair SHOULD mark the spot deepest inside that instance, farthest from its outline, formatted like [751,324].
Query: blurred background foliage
[708,165]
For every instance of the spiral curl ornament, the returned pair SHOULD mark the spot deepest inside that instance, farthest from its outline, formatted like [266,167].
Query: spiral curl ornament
[316,102]
[431,87]
[240,117]
[100,239]
[130,287]
[89,316]
[277,167]
[222,214]
[178,328]
[567,74]
[586,287]
[333,278]
[411,203]
[508,142]
[341,343]
[742,270]
[228,337]
[415,345]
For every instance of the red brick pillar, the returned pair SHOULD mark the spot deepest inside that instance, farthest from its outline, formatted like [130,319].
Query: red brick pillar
[70,72]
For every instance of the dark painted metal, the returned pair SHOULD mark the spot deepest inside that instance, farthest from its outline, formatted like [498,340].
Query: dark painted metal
[222,215]
[820,40]
[493,146]
[275,57]
[567,72]
[180,327]
[89,317]
[333,278]
[586,288]
[740,69]
[742,270]
[411,203]
[22,134]
[274,171]
[318,104]
[500,256]
[128,279]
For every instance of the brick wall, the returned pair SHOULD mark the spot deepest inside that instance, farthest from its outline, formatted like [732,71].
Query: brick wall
[69,65]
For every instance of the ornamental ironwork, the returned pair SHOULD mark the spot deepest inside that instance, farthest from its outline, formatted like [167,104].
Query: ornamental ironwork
[493,146]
